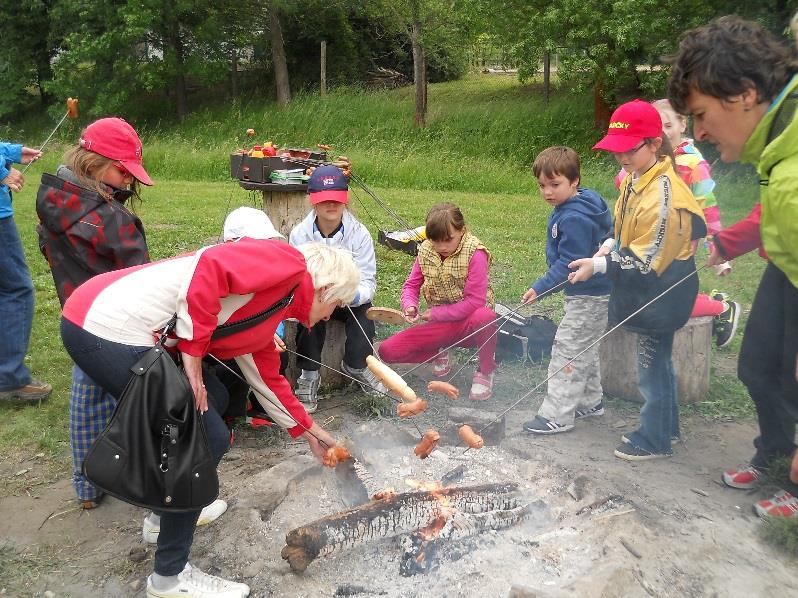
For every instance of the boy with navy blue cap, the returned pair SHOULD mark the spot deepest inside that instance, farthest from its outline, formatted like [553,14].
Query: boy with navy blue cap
[330,223]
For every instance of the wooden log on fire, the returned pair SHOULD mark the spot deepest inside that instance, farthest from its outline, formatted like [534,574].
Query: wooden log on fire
[401,513]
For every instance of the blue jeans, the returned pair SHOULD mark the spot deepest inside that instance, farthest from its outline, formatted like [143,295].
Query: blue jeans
[659,418]
[16,308]
[108,363]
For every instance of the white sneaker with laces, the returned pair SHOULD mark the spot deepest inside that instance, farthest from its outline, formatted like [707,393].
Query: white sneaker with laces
[152,523]
[367,380]
[193,583]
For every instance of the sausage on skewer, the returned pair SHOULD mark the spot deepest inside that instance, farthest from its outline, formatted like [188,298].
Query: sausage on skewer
[410,409]
[444,388]
[335,454]
[427,444]
[471,438]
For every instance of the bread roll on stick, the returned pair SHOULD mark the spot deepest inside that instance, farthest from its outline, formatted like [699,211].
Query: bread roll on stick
[471,438]
[392,381]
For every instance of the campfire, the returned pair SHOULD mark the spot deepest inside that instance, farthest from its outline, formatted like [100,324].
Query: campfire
[428,516]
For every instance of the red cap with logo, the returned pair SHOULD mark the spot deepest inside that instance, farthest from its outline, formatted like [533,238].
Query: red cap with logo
[115,139]
[629,125]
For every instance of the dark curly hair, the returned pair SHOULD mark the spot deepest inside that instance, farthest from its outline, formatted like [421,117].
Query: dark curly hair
[728,56]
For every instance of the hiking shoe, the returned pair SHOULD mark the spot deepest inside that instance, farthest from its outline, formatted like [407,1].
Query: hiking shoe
[307,389]
[367,380]
[592,412]
[783,504]
[193,583]
[674,440]
[440,366]
[541,425]
[152,522]
[629,452]
[481,387]
[33,392]
[744,477]
[724,325]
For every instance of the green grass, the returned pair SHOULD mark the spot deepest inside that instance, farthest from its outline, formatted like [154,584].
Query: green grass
[483,134]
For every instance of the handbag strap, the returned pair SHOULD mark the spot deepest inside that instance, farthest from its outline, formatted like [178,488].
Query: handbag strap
[233,327]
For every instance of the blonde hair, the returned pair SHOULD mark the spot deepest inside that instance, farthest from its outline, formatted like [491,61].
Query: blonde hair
[664,105]
[794,27]
[332,269]
[89,169]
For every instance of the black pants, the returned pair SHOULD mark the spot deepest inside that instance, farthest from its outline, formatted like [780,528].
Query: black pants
[767,365]
[309,343]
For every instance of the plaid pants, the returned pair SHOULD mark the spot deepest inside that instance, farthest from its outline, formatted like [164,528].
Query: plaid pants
[90,409]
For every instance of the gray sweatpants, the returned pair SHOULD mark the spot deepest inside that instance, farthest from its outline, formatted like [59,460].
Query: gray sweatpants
[578,386]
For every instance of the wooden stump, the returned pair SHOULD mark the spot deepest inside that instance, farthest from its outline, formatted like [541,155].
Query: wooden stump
[691,361]
[286,206]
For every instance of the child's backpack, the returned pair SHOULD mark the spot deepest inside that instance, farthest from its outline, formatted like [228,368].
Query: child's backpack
[522,338]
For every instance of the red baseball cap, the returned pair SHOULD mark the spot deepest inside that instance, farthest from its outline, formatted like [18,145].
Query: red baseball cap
[629,125]
[115,139]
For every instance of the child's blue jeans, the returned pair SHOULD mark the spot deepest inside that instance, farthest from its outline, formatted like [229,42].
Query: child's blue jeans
[659,418]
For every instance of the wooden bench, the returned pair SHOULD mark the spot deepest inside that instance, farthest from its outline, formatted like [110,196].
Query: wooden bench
[691,362]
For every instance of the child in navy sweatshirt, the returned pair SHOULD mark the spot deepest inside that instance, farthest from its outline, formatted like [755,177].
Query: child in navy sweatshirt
[578,224]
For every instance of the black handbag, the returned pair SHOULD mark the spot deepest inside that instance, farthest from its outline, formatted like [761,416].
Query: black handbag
[154,452]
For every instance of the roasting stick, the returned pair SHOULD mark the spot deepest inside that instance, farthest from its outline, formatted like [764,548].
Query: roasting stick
[72,112]
[324,365]
[280,407]
[506,319]
[590,346]
[477,331]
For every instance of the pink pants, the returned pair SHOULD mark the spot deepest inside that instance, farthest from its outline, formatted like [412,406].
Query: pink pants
[421,342]
[707,306]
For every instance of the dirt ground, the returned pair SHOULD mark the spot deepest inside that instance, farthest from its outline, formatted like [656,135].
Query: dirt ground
[671,529]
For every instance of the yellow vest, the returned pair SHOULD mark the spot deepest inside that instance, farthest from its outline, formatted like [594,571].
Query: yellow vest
[444,280]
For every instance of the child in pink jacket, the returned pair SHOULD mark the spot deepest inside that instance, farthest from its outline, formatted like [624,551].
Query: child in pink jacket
[451,271]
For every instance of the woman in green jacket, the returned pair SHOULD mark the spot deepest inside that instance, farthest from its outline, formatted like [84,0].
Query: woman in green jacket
[740,84]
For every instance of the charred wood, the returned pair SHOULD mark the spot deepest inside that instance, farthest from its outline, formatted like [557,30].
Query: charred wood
[400,513]
[421,552]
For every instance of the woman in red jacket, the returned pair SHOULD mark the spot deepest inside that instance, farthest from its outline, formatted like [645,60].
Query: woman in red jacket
[112,319]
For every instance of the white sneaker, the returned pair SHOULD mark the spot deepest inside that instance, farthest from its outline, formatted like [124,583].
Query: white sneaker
[152,523]
[193,583]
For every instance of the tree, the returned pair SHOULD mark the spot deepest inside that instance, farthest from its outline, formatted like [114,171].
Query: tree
[25,55]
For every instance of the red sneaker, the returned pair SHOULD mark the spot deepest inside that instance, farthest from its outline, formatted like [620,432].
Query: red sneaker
[743,477]
[783,504]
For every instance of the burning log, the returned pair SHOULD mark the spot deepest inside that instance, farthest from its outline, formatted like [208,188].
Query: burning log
[421,548]
[394,515]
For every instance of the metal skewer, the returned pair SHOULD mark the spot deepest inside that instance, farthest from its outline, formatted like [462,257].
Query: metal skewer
[590,346]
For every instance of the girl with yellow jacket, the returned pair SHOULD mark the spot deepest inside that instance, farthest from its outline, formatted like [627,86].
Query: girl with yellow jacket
[657,220]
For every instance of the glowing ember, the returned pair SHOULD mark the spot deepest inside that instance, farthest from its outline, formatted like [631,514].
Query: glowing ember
[385,494]
[424,485]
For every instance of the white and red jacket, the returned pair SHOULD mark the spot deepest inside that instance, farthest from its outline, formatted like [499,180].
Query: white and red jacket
[216,285]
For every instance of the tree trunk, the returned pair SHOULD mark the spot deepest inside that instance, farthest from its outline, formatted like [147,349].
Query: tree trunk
[601,110]
[281,81]
[175,42]
[546,76]
[234,72]
[419,76]
[323,82]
